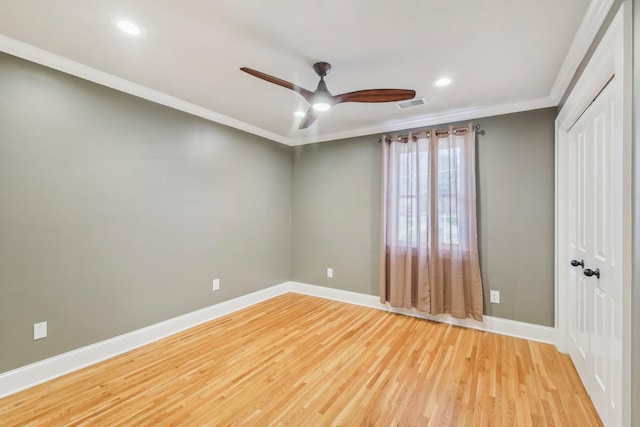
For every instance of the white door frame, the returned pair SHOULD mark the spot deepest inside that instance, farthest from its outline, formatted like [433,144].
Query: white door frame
[613,56]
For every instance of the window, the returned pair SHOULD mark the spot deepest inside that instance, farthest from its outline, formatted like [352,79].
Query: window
[429,247]
[414,201]
[448,190]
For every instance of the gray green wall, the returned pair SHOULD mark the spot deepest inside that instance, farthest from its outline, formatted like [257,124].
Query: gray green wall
[117,213]
[635,290]
[336,214]
[516,172]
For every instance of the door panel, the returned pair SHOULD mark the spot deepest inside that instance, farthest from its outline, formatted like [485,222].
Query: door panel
[592,207]
[603,344]
[579,324]
[599,347]
[600,189]
[582,178]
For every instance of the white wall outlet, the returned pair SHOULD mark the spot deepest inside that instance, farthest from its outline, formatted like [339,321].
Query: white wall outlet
[494,297]
[39,330]
[216,284]
[330,273]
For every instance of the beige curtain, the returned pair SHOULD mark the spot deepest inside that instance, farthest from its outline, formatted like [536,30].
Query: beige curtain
[430,251]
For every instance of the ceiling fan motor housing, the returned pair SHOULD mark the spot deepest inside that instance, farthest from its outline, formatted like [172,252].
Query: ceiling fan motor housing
[322,68]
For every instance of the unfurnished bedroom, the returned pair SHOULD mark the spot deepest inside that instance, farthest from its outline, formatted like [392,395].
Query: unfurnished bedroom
[329,213]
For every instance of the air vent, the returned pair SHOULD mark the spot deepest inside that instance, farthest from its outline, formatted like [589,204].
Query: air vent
[411,103]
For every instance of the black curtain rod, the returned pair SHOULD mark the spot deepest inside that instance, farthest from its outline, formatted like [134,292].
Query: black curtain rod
[476,127]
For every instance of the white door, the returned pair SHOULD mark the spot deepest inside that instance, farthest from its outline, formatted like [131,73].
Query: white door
[580,290]
[594,244]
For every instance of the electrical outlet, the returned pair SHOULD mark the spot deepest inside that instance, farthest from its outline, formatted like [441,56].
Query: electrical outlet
[494,297]
[216,284]
[39,330]
[330,273]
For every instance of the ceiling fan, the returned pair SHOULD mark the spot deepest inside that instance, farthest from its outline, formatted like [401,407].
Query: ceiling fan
[321,99]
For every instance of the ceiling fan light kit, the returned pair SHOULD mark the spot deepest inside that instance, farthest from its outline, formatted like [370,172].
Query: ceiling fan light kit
[321,106]
[322,100]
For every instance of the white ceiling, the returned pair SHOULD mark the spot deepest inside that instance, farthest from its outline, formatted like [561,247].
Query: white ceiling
[504,55]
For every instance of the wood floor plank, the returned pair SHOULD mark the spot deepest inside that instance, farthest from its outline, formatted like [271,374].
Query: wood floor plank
[300,360]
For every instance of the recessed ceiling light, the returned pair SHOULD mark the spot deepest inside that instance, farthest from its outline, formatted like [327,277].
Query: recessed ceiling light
[299,114]
[129,28]
[444,81]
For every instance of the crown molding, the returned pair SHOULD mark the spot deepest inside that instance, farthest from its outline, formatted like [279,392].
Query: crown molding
[436,119]
[60,63]
[589,27]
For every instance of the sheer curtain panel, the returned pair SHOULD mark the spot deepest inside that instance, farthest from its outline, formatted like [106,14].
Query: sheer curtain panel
[430,246]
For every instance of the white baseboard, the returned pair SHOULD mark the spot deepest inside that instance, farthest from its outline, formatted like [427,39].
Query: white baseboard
[496,325]
[36,373]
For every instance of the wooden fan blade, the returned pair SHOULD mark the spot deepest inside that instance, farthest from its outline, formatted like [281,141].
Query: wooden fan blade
[376,95]
[302,91]
[309,118]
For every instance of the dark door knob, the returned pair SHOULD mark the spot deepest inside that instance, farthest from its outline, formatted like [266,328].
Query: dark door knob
[589,272]
[576,263]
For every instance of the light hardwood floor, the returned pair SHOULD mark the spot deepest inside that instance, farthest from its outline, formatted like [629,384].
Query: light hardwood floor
[305,361]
